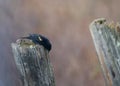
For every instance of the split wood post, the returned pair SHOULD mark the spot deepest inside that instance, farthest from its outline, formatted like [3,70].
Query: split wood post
[33,64]
[106,37]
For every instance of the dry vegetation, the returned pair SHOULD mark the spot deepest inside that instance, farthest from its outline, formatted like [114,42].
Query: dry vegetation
[65,23]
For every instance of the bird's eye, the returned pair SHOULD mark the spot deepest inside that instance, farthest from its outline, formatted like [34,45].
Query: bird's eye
[40,38]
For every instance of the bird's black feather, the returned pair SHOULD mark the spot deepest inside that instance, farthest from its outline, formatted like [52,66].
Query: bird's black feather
[41,40]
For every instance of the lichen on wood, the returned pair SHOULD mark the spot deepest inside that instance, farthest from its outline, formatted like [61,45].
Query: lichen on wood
[106,37]
[33,64]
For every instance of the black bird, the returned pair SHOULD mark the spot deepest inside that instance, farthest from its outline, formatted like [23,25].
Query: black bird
[41,40]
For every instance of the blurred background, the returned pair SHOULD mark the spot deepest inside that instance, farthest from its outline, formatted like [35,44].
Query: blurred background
[66,24]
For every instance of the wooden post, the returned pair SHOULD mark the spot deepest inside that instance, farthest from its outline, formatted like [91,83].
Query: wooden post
[106,37]
[33,64]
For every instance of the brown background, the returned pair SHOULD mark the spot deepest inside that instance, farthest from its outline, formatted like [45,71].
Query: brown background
[66,24]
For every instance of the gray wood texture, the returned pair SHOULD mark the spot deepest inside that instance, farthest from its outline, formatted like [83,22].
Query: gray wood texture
[106,37]
[33,64]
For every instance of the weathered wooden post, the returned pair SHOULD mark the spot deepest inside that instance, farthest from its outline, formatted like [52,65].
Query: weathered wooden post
[106,37]
[33,63]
